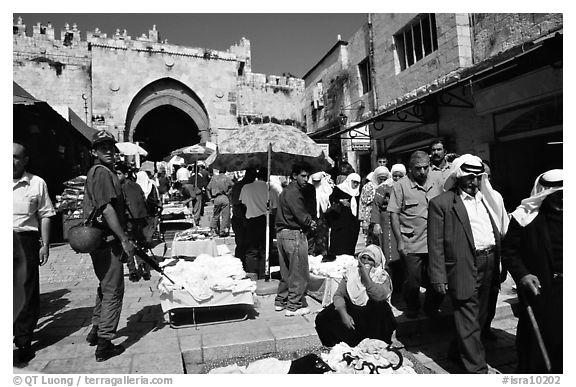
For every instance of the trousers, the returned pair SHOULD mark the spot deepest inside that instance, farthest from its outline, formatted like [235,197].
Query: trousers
[470,316]
[256,245]
[25,323]
[293,259]
[109,270]
[415,275]
[221,208]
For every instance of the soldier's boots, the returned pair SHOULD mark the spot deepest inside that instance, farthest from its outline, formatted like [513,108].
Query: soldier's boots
[105,350]
[92,336]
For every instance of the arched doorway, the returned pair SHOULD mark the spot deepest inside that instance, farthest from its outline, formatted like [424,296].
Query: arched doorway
[166,115]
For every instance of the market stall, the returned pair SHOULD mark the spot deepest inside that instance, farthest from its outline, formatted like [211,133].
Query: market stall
[206,283]
[193,242]
[69,203]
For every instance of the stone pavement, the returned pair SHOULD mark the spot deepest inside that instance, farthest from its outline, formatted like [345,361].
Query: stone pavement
[68,287]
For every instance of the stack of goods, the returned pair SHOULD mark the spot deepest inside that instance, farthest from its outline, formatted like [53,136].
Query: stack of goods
[333,269]
[370,356]
[174,211]
[205,276]
[69,204]
[192,234]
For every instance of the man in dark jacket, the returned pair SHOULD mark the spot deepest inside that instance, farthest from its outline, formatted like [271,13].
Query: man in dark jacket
[292,221]
[532,253]
[463,245]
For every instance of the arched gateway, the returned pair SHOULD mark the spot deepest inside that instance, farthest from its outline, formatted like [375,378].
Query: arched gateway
[165,115]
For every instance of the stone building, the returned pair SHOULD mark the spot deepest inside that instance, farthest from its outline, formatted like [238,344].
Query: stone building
[489,84]
[144,89]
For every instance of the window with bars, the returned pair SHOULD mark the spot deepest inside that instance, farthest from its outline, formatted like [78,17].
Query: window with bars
[416,40]
[364,69]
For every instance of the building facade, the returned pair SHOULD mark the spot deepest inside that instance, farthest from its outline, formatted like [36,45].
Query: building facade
[488,84]
[144,89]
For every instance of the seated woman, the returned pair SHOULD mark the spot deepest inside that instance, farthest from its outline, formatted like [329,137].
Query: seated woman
[360,307]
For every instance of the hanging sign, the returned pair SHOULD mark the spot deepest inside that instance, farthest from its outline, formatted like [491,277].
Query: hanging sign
[360,138]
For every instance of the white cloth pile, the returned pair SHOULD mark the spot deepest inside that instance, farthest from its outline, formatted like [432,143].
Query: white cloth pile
[262,366]
[334,269]
[206,275]
[371,351]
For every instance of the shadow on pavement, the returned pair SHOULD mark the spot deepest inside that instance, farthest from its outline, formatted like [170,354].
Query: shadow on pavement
[434,345]
[138,325]
[52,302]
[61,325]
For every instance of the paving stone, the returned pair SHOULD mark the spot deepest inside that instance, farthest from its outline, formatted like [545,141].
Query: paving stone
[235,344]
[88,364]
[151,344]
[292,337]
[434,367]
[191,347]
[157,363]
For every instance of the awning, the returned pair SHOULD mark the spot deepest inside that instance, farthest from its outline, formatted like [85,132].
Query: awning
[22,97]
[458,77]
[78,123]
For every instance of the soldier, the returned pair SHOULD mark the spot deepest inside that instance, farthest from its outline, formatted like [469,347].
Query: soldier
[103,194]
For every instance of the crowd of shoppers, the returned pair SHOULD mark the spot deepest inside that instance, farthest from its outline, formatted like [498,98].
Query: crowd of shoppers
[436,224]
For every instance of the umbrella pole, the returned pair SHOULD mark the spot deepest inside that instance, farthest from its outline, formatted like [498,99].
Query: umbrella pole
[267,262]
[196,174]
[137,156]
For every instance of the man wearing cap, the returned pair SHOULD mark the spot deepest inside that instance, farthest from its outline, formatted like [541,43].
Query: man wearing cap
[532,252]
[31,212]
[408,207]
[103,194]
[465,225]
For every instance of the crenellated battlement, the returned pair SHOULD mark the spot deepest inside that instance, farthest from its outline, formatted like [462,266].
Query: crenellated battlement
[68,42]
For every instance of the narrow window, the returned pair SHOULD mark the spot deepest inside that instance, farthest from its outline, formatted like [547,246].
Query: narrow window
[364,70]
[241,69]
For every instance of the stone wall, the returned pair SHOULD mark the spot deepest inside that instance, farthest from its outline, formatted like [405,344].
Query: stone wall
[392,83]
[358,50]
[498,32]
[109,71]
[334,75]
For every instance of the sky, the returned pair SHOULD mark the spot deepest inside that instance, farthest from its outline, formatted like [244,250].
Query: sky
[280,43]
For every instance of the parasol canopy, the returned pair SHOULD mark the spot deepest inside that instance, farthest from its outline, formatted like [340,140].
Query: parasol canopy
[192,153]
[248,147]
[131,149]
[274,147]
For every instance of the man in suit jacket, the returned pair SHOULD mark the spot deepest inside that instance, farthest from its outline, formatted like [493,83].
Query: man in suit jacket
[532,252]
[464,231]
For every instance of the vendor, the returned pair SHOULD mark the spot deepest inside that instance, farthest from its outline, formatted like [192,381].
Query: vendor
[360,307]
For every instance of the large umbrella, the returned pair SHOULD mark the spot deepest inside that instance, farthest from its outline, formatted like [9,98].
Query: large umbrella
[131,149]
[276,147]
[248,147]
[192,154]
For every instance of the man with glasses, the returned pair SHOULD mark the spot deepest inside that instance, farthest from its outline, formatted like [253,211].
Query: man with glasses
[408,207]
[465,225]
